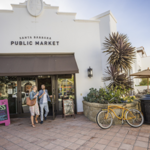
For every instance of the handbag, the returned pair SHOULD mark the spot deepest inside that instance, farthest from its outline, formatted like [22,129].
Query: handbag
[30,102]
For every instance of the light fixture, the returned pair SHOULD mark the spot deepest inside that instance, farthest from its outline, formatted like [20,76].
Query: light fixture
[40,76]
[90,72]
[139,70]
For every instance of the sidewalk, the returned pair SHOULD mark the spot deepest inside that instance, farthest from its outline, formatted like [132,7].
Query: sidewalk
[72,134]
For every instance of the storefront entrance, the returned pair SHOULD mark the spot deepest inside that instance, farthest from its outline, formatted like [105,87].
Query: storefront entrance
[19,72]
[17,89]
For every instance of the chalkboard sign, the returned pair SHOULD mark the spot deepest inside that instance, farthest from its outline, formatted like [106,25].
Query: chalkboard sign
[4,112]
[68,107]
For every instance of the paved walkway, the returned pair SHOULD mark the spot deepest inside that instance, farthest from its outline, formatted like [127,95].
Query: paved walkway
[79,133]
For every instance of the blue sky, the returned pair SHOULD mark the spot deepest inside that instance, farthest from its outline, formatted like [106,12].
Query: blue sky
[133,16]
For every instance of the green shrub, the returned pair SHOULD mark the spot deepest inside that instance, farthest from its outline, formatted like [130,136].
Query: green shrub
[144,81]
[104,95]
[95,96]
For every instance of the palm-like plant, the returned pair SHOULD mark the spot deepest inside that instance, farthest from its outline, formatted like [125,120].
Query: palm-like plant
[117,79]
[121,53]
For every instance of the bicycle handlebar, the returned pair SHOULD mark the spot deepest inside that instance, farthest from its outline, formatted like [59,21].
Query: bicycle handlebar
[111,99]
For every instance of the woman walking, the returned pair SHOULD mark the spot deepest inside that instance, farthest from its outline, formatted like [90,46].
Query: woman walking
[34,110]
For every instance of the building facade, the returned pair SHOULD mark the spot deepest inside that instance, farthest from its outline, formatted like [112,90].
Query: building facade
[40,45]
[141,62]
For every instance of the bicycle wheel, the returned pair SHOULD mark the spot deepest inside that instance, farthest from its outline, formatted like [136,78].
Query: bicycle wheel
[104,119]
[134,118]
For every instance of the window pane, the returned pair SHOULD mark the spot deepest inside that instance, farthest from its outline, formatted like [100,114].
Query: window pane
[26,85]
[65,89]
[8,90]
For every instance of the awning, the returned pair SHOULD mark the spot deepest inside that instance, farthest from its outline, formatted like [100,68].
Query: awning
[142,74]
[20,65]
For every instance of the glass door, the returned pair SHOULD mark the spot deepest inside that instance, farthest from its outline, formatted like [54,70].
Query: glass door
[16,90]
[26,85]
[46,80]
[49,82]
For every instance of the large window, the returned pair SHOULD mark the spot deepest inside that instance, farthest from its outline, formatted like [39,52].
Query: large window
[8,90]
[65,89]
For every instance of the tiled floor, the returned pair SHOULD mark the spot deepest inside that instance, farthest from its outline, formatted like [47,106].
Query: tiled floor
[72,134]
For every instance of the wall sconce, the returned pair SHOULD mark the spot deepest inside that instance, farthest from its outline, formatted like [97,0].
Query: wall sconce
[90,72]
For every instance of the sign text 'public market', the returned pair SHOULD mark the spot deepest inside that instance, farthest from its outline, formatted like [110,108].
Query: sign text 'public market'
[38,40]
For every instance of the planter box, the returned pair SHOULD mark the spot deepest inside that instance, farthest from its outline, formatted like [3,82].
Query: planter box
[91,109]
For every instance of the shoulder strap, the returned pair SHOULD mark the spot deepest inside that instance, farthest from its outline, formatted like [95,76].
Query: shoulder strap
[31,93]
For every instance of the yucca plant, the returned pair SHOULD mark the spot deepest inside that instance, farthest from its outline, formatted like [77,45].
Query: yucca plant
[120,51]
[117,79]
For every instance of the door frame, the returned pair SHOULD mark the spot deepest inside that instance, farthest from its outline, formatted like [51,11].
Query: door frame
[53,100]
[75,93]
[18,100]
[57,104]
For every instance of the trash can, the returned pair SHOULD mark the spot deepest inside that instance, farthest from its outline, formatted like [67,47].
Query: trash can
[145,106]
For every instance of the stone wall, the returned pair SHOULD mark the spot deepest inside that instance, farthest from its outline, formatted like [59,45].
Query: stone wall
[91,109]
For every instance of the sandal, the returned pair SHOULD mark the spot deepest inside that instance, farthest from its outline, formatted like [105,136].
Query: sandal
[33,125]
[36,121]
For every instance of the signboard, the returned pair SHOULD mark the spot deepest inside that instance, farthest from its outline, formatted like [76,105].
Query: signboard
[9,91]
[68,107]
[4,112]
[35,40]
[14,96]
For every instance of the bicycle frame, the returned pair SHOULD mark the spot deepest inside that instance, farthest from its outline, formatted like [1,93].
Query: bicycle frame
[124,111]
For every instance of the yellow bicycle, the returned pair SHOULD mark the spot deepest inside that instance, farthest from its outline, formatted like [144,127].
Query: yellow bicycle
[133,117]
